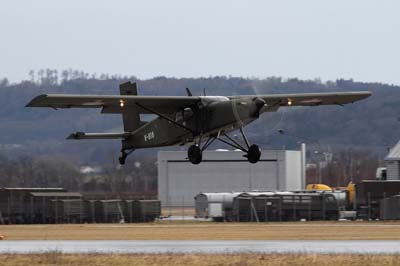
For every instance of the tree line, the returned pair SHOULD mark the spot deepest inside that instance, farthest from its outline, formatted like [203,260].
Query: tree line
[34,139]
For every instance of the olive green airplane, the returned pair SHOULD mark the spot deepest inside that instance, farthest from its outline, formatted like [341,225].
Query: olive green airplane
[195,120]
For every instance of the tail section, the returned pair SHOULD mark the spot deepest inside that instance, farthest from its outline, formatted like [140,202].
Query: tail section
[130,115]
[130,119]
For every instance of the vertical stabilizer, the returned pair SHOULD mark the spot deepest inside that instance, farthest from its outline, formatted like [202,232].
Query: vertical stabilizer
[130,115]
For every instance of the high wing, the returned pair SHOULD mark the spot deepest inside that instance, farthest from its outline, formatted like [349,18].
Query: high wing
[308,99]
[114,103]
[170,104]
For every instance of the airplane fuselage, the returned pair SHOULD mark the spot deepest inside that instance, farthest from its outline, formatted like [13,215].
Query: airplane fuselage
[209,117]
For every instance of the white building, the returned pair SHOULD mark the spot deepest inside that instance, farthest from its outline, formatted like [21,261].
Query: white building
[392,162]
[224,171]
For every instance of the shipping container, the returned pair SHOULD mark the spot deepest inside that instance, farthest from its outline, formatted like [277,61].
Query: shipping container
[369,194]
[108,211]
[390,208]
[146,210]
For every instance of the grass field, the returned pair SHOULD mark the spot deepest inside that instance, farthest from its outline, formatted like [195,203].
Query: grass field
[178,230]
[206,231]
[198,260]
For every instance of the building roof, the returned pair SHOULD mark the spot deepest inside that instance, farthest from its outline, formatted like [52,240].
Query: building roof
[66,200]
[56,194]
[109,200]
[379,181]
[394,153]
[34,189]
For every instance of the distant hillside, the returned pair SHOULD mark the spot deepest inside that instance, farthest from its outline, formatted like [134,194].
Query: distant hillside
[370,124]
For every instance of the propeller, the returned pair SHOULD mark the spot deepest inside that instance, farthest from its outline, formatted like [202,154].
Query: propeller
[271,120]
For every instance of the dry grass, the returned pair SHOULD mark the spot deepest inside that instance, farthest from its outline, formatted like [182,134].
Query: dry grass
[178,211]
[206,231]
[198,260]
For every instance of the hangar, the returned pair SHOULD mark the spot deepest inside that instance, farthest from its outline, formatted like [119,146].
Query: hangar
[179,181]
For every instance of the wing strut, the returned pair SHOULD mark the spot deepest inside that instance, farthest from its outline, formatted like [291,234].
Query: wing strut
[165,117]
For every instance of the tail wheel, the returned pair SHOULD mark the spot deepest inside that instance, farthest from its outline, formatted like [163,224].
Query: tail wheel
[195,154]
[122,160]
[253,154]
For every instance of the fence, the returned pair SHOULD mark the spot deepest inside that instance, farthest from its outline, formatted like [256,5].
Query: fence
[17,210]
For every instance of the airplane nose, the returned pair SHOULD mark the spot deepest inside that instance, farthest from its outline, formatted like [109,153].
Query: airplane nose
[255,107]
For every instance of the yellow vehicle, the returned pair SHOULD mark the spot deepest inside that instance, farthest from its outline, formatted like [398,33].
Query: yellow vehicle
[318,187]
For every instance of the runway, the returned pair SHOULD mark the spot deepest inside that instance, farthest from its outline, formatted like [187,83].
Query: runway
[201,246]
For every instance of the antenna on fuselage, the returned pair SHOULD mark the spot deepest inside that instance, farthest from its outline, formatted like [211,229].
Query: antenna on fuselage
[204,91]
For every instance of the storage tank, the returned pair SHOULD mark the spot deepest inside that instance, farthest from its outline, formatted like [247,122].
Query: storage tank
[341,198]
[203,200]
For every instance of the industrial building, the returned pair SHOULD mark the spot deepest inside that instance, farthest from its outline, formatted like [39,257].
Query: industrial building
[180,181]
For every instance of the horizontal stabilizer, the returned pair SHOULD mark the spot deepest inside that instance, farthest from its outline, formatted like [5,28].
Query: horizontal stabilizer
[83,135]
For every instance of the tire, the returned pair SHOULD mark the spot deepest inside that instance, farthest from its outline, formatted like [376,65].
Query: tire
[194,154]
[254,154]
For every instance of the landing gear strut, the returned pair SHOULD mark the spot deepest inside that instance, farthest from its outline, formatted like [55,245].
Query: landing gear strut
[253,152]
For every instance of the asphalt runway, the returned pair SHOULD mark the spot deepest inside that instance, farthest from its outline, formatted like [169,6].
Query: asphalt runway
[201,246]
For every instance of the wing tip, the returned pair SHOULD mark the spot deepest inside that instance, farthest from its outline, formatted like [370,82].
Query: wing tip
[365,94]
[37,101]
[76,135]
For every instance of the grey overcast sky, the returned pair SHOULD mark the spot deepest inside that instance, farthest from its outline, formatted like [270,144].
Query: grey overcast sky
[308,39]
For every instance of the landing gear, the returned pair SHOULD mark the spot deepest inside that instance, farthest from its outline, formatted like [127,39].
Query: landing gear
[122,158]
[124,155]
[253,154]
[195,154]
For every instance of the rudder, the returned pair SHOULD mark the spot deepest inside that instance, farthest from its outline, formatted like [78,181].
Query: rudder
[130,115]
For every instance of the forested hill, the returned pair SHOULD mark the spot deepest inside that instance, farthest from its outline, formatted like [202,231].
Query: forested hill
[372,124]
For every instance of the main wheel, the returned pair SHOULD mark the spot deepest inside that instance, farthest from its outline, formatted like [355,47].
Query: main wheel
[254,154]
[195,154]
